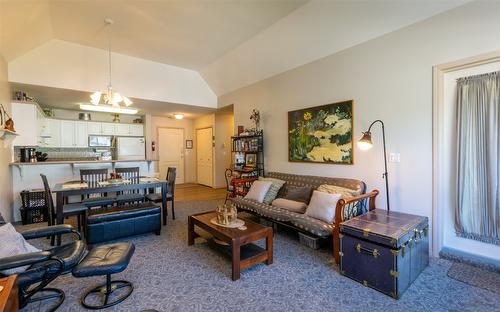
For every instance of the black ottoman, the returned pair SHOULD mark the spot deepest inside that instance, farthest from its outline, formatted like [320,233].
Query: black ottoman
[106,260]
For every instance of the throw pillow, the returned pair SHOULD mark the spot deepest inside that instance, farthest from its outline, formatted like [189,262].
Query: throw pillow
[273,190]
[258,190]
[322,206]
[334,189]
[13,244]
[290,205]
[301,194]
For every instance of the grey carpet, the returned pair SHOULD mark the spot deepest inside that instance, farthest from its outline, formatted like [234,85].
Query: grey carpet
[475,276]
[170,276]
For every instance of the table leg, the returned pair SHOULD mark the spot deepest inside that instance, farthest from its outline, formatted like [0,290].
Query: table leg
[164,202]
[59,213]
[269,247]
[236,260]
[190,231]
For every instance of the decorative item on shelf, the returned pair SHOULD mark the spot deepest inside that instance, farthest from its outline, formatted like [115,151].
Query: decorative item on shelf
[84,116]
[321,134]
[365,143]
[256,119]
[5,120]
[138,121]
[189,144]
[116,118]
[226,214]
[109,100]
[241,129]
[49,112]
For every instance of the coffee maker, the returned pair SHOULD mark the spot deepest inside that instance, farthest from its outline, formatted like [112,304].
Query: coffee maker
[27,154]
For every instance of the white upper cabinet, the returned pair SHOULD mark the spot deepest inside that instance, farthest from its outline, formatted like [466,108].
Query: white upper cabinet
[122,129]
[68,131]
[51,135]
[94,128]
[137,130]
[108,128]
[25,117]
[81,134]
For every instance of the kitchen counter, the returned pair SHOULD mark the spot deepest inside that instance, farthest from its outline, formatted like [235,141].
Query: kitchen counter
[23,166]
[69,162]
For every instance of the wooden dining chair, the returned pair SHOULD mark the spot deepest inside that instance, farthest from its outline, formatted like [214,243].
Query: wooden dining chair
[156,197]
[92,177]
[76,209]
[131,196]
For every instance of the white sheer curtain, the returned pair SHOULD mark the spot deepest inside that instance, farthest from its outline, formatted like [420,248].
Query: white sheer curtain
[477,214]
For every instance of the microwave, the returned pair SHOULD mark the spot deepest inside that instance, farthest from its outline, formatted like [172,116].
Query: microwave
[100,141]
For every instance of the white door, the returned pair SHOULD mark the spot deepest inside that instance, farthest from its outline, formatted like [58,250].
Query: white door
[68,133]
[171,152]
[204,152]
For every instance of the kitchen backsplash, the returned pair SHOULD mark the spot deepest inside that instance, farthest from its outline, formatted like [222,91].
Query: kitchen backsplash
[54,153]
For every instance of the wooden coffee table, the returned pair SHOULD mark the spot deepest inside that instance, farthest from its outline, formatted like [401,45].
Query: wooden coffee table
[243,253]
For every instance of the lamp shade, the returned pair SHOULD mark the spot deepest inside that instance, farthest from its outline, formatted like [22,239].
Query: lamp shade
[365,143]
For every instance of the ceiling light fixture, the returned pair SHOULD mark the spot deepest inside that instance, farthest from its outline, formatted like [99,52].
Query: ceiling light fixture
[179,116]
[109,97]
[108,109]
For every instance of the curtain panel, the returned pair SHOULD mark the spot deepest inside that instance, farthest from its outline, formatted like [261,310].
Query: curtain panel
[477,214]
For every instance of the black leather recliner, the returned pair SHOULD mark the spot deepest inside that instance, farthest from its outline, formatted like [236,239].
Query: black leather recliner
[45,266]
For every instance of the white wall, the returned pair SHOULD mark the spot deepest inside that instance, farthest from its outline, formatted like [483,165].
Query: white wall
[62,64]
[5,151]
[189,154]
[224,120]
[448,148]
[389,78]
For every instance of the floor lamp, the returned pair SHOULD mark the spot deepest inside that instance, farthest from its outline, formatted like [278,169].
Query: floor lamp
[365,143]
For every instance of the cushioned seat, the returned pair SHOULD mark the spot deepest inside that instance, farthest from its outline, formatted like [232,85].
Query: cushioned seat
[312,225]
[106,260]
[129,198]
[99,201]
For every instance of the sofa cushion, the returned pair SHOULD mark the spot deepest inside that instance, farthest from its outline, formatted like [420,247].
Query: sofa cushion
[258,190]
[276,186]
[312,225]
[290,205]
[322,206]
[334,189]
[301,194]
[262,209]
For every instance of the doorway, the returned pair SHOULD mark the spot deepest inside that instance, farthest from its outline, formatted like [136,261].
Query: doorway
[204,156]
[171,152]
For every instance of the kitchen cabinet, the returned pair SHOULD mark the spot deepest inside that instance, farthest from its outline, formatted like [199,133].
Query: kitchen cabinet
[122,129]
[74,133]
[108,128]
[26,117]
[94,128]
[136,130]
[51,135]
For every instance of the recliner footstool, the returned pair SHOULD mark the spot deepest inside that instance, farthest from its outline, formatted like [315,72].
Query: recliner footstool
[106,260]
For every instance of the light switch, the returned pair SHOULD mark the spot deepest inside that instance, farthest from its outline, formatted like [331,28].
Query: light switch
[394,157]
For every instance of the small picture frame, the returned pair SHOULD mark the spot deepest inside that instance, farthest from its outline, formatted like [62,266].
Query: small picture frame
[250,160]
[189,144]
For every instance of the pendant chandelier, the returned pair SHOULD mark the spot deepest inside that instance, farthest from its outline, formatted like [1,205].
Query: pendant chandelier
[109,100]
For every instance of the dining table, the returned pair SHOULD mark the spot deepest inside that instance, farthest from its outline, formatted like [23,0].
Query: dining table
[73,188]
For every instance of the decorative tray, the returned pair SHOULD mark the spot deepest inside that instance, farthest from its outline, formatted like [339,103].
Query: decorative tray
[236,224]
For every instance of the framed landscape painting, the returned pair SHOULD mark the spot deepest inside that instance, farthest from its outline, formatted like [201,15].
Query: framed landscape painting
[321,134]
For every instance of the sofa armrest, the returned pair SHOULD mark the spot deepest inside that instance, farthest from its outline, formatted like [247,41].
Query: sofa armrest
[348,208]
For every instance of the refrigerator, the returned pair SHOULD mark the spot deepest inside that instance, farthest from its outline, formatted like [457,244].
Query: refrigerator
[130,148]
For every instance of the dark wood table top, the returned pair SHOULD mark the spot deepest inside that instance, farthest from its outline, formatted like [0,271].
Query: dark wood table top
[8,295]
[252,228]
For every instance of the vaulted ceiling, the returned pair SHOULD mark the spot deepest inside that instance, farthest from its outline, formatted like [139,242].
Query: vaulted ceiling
[231,43]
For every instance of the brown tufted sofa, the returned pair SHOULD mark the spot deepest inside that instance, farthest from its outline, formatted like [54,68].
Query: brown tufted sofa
[313,228]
